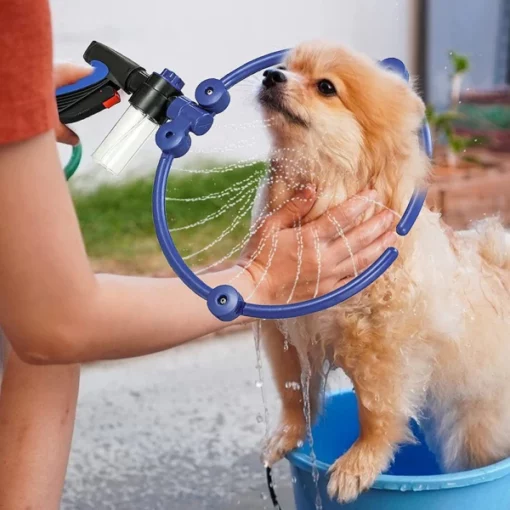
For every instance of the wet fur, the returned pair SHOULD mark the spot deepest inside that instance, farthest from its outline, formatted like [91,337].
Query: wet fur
[429,339]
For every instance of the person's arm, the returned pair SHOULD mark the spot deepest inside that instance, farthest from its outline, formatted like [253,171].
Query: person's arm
[37,408]
[55,310]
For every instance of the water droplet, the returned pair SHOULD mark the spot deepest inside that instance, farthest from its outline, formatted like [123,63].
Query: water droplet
[300,444]
[294,479]
[260,418]
[263,496]
[259,384]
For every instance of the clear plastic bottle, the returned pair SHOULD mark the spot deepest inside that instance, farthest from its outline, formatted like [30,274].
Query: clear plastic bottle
[124,140]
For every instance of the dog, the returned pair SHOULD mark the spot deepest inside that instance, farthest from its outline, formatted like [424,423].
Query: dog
[429,339]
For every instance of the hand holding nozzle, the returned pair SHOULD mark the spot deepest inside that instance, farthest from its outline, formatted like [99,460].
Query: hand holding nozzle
[99,90]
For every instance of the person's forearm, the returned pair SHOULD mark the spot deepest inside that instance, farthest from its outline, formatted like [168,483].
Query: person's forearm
[55,310]
[110,323]
[52,307]
[37,409]
[164,312]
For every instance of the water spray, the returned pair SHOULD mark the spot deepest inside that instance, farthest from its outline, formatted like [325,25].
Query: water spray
[158,105]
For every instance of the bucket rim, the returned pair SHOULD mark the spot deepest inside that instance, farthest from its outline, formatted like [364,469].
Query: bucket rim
[414,483]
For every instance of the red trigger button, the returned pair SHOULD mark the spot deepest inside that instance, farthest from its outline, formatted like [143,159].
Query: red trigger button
[112,101]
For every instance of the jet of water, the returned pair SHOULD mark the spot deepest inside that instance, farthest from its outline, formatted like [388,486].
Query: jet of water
[318,255]
[274,245]
[346,241]
[243,211]
[299,237]
[305,385]
[260,383]
[234,188]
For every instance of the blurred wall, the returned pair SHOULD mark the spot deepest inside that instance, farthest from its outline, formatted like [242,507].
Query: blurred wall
[201,38]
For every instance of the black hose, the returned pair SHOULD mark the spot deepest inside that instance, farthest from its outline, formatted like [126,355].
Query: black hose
[270,487]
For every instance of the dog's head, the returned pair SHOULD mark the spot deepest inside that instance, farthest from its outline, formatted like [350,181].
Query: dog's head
[343,109]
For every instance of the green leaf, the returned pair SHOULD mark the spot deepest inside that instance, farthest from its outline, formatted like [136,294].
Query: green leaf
[457,143]
[430,114]
[453,115]
[460,63]
[447,130]
[448,116]
[444,120]
[443,124]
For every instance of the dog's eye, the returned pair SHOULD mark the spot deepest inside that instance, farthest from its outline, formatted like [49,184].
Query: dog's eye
[326,88]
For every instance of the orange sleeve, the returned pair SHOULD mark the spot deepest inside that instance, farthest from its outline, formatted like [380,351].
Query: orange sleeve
[27,93]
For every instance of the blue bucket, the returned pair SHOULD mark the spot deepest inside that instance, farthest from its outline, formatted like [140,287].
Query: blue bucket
[413,482]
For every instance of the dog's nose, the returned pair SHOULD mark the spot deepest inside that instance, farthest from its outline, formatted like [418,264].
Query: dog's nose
[272,77]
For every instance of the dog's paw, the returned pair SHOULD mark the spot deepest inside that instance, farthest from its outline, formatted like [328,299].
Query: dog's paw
[354,473]
[344,487]
[286,438]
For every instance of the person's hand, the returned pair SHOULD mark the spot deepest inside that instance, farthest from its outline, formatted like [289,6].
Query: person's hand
[65,74]
[289,263]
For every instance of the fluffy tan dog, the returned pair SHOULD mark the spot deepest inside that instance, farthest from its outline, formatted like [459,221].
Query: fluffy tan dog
[429,339]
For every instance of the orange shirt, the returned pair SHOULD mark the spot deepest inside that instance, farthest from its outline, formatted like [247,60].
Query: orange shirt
[27,92]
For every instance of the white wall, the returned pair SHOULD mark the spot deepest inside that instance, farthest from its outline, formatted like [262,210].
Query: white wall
[206,38]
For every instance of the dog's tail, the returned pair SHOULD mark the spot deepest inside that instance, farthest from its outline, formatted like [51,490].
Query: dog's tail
[494,242]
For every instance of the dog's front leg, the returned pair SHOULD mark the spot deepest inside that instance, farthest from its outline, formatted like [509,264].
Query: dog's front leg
[375,374]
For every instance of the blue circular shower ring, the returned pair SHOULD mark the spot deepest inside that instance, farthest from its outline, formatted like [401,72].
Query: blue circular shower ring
[174,139]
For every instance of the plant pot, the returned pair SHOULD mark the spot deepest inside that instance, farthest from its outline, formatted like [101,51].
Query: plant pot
[498,140]
[485,114]
[472,192]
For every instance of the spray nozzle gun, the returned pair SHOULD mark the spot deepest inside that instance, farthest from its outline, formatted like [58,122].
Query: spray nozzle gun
[150,98]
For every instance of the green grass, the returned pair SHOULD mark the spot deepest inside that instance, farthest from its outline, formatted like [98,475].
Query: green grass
[117,226]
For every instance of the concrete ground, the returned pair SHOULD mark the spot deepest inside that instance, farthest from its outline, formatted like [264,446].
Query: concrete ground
[179,430]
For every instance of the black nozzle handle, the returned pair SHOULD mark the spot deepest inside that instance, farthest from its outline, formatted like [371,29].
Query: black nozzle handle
[125,73]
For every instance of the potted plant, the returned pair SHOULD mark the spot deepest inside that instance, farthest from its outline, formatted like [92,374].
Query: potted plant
[469,181]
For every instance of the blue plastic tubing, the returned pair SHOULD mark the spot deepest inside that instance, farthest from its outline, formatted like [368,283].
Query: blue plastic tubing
[343,293]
